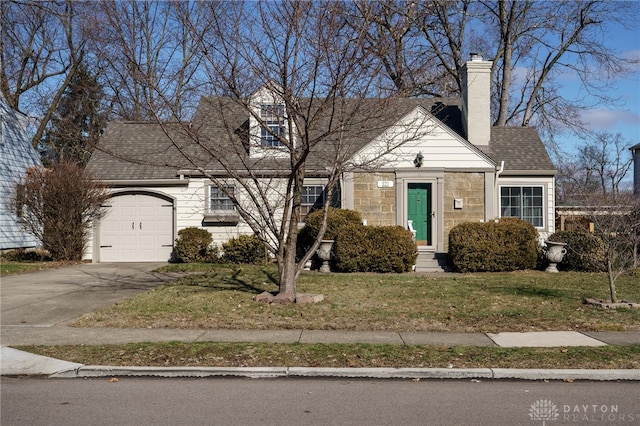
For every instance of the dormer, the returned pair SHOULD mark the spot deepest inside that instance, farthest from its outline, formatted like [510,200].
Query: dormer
[268,124]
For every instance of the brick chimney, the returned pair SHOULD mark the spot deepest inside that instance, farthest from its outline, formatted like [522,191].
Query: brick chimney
[476,100]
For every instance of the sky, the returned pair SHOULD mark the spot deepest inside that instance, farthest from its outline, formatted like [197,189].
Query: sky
[625,118]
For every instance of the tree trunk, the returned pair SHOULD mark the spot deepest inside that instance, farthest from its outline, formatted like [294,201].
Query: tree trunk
[612,282]
[287,253]
[287,272]
[507,55]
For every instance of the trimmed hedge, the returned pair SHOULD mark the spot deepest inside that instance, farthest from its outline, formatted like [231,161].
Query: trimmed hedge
[509,244]
[374,249]
[585,251]
[338,223]
[359,248]
[194,245]
[245,249]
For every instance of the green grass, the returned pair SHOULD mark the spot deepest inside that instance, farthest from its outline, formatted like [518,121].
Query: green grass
[10,267]
[220,296]
[210,354]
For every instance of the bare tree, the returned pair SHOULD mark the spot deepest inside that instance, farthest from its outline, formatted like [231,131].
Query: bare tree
[141,47]
[41,46]
[606,159]
[532,44]
[601,167]
[617,223]
[58,205]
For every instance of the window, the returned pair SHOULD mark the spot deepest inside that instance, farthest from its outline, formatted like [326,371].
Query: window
[312,198]
[218,200]
[274,129]
[524,202]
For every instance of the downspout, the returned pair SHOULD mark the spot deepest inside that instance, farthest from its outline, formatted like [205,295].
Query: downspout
[496,200]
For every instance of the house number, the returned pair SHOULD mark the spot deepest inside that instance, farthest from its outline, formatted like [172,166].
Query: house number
[385,184]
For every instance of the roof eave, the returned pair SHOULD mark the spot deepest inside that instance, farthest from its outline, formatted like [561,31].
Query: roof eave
[529,173]
[144,182]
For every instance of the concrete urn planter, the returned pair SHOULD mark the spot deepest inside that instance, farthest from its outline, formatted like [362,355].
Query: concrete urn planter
[555,254]
[324,254]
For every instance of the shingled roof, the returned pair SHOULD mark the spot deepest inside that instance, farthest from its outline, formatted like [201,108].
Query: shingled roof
[521,150]
[134,151]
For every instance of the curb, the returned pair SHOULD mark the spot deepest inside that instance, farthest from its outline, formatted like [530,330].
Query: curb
[351,373]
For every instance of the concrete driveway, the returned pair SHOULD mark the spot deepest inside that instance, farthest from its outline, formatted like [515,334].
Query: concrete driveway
[57,296]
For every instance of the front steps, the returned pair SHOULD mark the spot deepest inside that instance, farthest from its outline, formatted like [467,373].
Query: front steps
[429,261]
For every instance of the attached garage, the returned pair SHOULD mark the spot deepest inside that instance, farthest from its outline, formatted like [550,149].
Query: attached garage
[138,227]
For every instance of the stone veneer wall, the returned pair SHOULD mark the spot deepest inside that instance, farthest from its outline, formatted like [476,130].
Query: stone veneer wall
[377,205]
[469,187]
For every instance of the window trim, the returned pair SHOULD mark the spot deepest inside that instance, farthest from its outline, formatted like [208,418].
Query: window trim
[273,124]
[521,186]
[220,216]
[222,197]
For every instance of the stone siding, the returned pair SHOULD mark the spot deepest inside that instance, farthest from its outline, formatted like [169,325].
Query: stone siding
[469,187]
[377,205]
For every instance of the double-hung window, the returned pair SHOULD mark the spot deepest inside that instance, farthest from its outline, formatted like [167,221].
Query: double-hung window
[524,202]
[219,201]
[273,130]
[312,198]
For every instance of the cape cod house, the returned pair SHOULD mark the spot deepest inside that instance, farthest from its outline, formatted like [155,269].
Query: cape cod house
[458,169]
[16,156]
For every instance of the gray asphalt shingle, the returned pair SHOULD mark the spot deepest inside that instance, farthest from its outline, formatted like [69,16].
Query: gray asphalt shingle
[148,150]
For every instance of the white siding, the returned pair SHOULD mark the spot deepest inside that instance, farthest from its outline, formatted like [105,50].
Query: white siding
[420,132]
[16,156]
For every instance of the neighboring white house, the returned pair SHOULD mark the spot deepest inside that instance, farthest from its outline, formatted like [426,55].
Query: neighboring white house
[16,156]
[459,169]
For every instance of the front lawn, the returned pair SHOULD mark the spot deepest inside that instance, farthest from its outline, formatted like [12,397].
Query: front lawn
[217,354]
[220,296]
[8,267]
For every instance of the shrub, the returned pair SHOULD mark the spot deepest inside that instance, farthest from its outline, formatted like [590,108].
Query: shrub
[194,245]
[509,244]
[244,249]
[585,251]
[26,255]
[374,249]
[350,248]
[58,206]
[359,248]
[338,221]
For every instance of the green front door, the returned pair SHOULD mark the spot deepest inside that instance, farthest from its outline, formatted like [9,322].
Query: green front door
[419,210]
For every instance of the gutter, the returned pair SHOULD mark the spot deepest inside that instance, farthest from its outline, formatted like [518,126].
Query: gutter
[146,182]
[529,172]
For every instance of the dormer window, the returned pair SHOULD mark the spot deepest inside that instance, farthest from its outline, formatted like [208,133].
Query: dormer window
[269,126]
[274,128]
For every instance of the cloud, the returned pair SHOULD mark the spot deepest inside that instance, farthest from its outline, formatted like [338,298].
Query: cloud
[608,119]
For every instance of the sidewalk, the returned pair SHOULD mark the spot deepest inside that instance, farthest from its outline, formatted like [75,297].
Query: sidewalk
[14,362]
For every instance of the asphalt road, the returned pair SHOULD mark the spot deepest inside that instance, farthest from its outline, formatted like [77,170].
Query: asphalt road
[55,296]
[135,401]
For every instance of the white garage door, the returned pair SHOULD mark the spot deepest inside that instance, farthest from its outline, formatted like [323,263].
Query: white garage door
[136,228]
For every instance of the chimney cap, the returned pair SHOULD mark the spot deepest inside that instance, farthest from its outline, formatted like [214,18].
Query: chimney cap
[476,57]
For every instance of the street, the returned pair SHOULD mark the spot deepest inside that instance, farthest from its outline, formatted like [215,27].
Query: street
[232,401]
